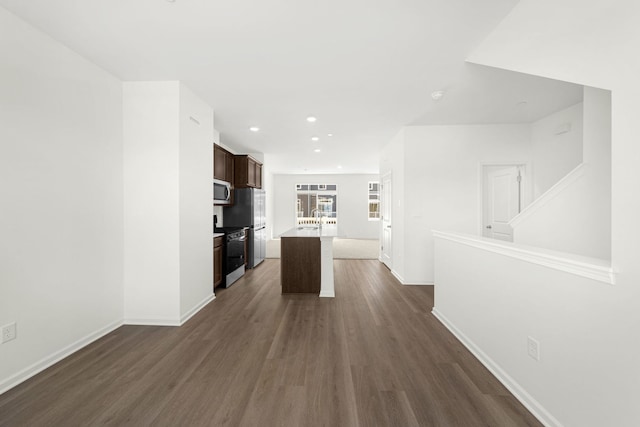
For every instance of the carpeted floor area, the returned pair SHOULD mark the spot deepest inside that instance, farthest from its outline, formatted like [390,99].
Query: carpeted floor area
[342,248]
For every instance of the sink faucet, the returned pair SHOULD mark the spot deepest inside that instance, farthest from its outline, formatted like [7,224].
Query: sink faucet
[317,214]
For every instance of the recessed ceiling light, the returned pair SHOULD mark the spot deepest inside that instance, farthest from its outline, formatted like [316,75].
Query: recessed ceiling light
[329,135]
[311,119]
[315,138]
[339,167]
[254,128]
[437,95]
[317,150]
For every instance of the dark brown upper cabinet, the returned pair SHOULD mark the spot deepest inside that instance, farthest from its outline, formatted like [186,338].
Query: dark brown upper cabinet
[248,172]
[223,164]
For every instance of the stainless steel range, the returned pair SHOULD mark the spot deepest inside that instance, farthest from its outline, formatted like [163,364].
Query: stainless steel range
[248,210]
[233,254]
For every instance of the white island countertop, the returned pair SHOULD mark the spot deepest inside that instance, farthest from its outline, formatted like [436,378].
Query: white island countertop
[312,231]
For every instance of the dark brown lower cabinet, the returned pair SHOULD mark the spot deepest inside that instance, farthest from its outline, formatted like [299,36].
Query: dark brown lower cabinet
[217,261]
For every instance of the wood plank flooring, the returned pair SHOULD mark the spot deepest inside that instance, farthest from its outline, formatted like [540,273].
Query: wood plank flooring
[373,356]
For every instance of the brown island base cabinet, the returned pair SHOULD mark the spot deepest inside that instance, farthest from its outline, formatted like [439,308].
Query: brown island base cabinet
[300,265]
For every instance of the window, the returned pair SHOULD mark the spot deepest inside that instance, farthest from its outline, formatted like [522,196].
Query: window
[316,202]
[374,201]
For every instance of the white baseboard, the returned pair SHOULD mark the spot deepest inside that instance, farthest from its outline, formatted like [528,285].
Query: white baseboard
[168,321]
[54,358]
[520,393]
[326,294]
[397,276]
[404,282]
[189,314]
[151,321]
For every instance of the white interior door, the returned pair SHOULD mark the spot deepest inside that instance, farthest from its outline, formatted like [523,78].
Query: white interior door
[503,201]
[386,205]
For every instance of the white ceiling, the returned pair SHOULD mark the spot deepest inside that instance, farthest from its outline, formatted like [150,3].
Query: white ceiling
[365,68]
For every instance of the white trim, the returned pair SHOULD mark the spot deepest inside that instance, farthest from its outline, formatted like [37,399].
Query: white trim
[548,195]
[155,321]
[405,283]
[327,284]
[397,276]
[591,268]
[516,389]
[386,176]
[327,294]
[189,314]
[57,356]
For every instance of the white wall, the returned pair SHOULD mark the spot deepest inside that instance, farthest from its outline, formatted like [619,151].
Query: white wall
[597,155]
[267,185]
[353,203]
[196,209]
[554,156]
[494,302]
[593,43]
[151,202]
[61,220]
[441,173]
[578,219]
[168,256]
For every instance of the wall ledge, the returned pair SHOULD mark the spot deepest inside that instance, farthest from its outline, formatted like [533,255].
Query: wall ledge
[591,268]
[553,192]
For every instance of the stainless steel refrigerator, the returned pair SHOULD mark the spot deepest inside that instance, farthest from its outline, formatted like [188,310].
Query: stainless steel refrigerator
[248,210]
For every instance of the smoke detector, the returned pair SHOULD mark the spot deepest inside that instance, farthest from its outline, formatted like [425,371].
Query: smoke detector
[437,95]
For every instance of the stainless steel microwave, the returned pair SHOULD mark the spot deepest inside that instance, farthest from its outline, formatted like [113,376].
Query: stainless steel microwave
[221,192]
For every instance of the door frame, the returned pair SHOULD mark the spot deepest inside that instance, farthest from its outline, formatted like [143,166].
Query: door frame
[383,204]
[526,188]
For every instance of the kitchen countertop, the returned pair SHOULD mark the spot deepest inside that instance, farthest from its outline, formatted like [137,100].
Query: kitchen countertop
[217,235]
[310,231]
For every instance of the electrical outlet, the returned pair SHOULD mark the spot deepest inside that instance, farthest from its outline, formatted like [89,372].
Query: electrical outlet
[533,348]
[9,332]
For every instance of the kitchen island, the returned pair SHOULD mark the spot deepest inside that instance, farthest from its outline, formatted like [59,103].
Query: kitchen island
[306,260]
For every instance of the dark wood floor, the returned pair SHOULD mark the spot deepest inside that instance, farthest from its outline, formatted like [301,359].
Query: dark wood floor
[373,356]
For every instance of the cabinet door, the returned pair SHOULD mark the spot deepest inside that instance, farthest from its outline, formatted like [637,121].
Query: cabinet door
[219,163]
[251,172]
[246,250]
[240,171]
[217,261]
[258,175]
[248,172]
[229,168]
